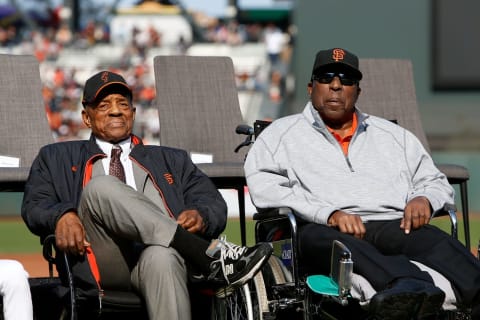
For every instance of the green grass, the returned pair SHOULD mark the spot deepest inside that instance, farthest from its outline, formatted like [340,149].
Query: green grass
[444,224]
[233,229]
[16,238]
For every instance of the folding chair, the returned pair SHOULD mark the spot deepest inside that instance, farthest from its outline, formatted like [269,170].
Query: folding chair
[23,123]
[198,107]
[24,129]
[389,92]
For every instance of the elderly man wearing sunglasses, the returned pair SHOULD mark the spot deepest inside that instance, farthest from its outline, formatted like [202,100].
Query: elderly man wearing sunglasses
[367,182]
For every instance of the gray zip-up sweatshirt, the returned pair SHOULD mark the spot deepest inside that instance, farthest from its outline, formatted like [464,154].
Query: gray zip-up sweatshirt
[297,163]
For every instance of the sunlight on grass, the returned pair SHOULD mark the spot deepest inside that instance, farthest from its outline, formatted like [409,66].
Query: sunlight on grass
[16,238]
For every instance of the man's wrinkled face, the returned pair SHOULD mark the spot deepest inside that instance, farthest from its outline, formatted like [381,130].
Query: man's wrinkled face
[333,94]
[111,118]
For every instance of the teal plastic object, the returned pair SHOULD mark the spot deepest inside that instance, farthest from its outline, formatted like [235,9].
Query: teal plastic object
[322,285]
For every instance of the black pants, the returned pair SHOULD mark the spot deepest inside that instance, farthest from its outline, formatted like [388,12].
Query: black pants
[384,254]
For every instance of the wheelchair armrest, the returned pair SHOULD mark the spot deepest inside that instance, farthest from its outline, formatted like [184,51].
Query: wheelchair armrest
[279,223]
[263,214]
[341,269]
[450,210]
[274,224]
[339,283]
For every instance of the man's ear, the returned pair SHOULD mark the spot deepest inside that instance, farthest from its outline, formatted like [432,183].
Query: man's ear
[309,88]
[86,118]
[359,90]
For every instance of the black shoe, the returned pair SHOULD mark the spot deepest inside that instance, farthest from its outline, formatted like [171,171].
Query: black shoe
[432,301]
[476,312]
[234,265]
[399,302]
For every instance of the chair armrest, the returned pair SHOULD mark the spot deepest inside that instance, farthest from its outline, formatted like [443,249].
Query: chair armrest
[455,173]
[48,248]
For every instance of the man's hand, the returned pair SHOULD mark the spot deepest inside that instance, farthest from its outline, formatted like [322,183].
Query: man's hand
[417,213]
[192,221]
[70,234]
[347,223]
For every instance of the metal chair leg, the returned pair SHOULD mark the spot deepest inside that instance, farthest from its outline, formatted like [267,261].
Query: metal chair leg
[466,221]
[241,208]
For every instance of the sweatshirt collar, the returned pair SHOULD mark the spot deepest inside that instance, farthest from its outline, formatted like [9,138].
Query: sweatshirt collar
[312,115]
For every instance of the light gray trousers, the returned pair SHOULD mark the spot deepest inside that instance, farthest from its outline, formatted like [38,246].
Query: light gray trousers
[118,221]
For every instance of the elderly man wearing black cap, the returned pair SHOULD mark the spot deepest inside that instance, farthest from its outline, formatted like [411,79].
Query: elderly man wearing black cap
[367,182]
[133,216]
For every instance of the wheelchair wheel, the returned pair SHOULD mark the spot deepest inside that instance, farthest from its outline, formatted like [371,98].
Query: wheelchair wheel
[248,302]
[261,295]
[281,301]
[278,270]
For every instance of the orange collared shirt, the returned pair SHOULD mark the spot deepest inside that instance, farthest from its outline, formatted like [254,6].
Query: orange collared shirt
[345,141]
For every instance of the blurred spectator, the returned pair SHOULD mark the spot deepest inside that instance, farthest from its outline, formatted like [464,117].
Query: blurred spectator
[231,33]
[8,36]
[277,86]
[64,36]
[275,42]
[182,45]
[62,90]
[155,37]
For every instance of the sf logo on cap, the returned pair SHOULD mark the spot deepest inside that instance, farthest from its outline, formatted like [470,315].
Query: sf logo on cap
[104,76]
[338,54]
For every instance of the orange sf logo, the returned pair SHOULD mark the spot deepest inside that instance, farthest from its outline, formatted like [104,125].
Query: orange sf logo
[338,54]
[105,76]
[168,177]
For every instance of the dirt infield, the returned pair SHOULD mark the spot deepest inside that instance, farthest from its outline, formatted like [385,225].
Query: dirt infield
[37,266]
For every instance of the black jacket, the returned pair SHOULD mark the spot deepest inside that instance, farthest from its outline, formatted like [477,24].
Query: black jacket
[61,170]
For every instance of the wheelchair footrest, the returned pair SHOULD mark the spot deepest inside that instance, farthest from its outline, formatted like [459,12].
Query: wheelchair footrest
[321,284]
[284,290]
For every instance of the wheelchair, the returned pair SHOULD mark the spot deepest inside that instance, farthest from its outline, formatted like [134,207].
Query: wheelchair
[289,292]
[284,290]
[57,300]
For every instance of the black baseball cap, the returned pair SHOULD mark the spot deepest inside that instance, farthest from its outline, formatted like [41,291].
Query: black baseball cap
[336,57]
[97,83]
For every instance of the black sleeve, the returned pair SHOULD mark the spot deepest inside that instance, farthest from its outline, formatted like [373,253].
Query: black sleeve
[41,206]
[200,193]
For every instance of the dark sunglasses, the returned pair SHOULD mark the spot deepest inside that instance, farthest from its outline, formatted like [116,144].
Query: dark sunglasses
[327,77]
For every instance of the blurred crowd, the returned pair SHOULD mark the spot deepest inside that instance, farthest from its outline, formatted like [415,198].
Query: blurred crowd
[62,87]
